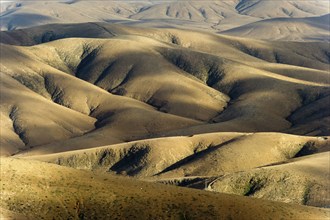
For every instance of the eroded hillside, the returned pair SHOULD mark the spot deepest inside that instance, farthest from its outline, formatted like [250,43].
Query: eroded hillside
[206,111]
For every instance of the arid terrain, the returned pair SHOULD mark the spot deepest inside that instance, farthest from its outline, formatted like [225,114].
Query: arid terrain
[286,17]
[132,110]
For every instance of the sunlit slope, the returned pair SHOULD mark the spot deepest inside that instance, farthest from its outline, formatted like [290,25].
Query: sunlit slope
[227,114]
[311,55]
[211,16]
[52,86]
[141,83]
[294,29]
[29,119]
[53,192]
[174,157]
[281,8]
[303,181]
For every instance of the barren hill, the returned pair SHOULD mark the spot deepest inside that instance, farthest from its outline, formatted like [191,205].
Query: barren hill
[188,108]
[299,181]
[211,16]
[294,29]
[191,84]
[53,192]
[210,85]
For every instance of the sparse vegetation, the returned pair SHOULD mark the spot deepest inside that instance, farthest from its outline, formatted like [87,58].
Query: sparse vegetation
[253,186]
[185,108]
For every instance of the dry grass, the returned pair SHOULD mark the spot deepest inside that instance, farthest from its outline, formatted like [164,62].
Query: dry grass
[192,106]
[52,192]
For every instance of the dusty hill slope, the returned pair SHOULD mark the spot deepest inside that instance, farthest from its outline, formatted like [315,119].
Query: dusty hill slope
[205,15]
[312,55]
[53,192]
[198,83]
[299,181]
[74,97]
[200,155]
[193,14]
[295,29]
[46,86]
[281,8]
[225,162]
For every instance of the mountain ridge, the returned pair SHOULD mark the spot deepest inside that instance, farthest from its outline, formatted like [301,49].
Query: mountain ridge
[210,16]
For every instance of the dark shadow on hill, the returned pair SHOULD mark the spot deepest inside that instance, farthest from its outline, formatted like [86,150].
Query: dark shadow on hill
[25,19]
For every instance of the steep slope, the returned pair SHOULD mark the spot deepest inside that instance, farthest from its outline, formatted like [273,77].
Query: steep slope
[53,192]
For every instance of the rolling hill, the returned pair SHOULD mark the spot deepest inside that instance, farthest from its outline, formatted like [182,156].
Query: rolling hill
[293,29]
[53,192]
[207,16]
[162,105]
